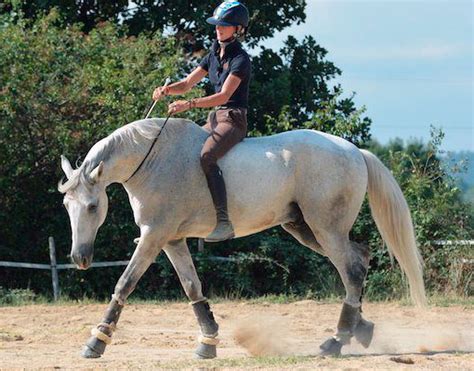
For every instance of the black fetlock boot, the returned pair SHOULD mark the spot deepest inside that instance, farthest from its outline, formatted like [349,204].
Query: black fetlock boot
[208,340]
[224,229]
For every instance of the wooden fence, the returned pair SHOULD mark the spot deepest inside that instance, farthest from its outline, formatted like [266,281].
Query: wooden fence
[54,267]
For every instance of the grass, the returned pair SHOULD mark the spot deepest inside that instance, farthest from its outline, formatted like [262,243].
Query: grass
[18,297]
[245,363]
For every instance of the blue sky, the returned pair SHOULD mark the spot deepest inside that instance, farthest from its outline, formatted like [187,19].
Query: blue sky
[410,62]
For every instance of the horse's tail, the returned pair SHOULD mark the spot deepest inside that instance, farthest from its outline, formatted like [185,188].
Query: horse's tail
[392,216]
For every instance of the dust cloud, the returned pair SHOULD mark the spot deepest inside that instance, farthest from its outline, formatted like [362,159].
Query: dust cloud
[263,335]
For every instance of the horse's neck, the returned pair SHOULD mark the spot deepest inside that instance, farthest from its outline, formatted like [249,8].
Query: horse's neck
[121,156]
[129,154]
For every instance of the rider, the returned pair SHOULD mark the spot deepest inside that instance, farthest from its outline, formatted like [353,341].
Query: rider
[228,67]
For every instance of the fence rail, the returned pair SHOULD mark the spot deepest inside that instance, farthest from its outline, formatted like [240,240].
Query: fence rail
[53,267]
[60,266]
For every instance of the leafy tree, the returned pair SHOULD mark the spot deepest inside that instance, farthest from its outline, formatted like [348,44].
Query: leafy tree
[87,12]
[62,91]
[294,81]
[186,19]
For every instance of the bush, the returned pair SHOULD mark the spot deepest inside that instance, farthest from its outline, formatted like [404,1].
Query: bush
[16,296]
[61,91]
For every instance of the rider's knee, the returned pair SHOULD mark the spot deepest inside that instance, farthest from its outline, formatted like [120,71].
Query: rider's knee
[208,161]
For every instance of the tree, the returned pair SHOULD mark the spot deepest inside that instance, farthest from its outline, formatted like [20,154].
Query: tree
[87,12]
[293,90]
[61,91]
[291,82]
[185,19]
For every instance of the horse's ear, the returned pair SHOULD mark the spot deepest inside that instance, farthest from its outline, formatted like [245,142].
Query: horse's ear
[97,172]
[66,166]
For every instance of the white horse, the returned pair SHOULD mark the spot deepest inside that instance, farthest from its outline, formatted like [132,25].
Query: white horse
[311,183]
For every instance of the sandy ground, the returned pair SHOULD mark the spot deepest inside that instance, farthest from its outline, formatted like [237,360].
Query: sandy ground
[164,336]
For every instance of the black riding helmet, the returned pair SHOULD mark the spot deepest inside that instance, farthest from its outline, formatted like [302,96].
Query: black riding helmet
[230,13]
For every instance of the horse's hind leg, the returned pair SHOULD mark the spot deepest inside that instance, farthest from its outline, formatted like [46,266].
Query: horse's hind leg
[351,260]
[179,256]
[301,231]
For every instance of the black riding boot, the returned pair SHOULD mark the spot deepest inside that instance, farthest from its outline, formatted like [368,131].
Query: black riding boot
[223,230]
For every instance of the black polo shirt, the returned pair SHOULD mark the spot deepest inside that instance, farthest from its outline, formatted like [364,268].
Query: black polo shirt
[235,61]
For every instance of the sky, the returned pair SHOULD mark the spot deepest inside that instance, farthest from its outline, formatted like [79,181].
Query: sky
[409,62]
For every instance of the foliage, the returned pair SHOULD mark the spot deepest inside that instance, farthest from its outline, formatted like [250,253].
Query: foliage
[62,90]
[185,19]
[293,90]
[293,81]
[16,296]
[330,118]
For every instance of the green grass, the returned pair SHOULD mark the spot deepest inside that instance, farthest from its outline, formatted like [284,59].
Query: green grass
[440,300]
[18,297]
[244,363]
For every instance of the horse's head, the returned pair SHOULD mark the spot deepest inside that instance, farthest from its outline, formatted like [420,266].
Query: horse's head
[86,202]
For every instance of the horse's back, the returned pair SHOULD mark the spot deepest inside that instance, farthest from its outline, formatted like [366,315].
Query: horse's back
[303,166]
[297,150]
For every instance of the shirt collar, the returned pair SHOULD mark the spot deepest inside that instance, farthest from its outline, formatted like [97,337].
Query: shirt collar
[229,49]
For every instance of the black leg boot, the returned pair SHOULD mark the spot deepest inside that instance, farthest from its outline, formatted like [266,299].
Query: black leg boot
[224,229]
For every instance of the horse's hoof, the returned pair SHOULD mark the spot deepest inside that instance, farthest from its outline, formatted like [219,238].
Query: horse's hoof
[205,351]
[331,347]
[364,332]
[94,348]
[89,353]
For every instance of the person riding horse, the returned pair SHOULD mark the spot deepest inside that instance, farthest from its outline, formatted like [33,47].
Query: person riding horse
[229,68]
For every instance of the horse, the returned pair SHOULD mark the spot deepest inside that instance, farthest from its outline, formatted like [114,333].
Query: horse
[311,183]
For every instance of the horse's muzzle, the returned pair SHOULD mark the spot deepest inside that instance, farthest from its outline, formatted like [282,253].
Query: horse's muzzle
[82,257]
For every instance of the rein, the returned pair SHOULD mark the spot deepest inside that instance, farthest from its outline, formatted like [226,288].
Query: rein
[167,81]
[149,150]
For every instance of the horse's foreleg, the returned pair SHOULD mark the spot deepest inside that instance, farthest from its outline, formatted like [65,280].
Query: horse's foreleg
[145,254]
[179,256]
[351,260]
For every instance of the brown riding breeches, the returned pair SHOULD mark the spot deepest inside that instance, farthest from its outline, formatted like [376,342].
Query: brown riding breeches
[227,127]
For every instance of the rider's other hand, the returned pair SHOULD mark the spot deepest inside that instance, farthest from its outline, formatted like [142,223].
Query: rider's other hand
[178,106]
[160,92]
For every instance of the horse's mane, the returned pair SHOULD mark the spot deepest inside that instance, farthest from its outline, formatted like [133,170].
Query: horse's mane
[127,136]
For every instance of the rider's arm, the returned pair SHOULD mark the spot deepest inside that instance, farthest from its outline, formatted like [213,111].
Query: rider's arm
[186,84]
[231,84]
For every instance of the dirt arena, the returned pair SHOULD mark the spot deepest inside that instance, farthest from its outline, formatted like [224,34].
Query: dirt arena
[285,336]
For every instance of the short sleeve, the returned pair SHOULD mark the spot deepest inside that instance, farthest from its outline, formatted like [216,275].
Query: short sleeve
[204,64]
[240,66]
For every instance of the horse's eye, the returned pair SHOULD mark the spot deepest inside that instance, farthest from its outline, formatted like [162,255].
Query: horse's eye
[92,208]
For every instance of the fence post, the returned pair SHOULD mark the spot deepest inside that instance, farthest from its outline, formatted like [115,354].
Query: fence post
[201,244]
[54,269]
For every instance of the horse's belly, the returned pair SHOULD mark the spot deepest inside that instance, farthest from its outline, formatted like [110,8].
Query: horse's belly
[260,191]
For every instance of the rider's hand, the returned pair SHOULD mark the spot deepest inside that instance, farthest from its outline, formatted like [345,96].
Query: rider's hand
[160,92]
[179,106]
